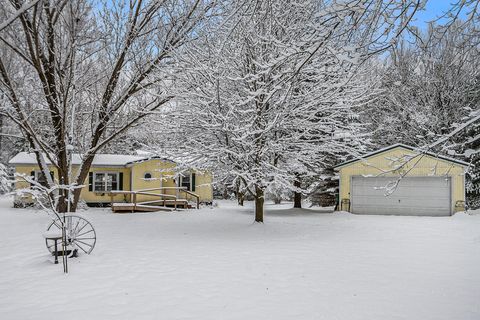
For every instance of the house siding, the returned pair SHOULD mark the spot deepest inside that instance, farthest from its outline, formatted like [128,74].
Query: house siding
[87,196]
[162,168]
[133,179]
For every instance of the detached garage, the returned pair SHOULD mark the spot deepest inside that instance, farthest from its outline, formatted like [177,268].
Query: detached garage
[400,180]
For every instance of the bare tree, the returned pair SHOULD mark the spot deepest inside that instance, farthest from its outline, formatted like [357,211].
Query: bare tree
[83,72]
[428,88]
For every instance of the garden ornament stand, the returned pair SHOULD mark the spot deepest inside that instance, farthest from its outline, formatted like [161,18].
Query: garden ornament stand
[74,233]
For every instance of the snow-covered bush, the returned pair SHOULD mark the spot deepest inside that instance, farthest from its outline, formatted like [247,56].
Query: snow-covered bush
[5,180]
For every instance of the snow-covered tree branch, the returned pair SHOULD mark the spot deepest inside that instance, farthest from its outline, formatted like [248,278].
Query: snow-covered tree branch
[274,88]
[81,73]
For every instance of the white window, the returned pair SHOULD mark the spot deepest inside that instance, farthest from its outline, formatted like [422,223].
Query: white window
[187,181]
[105,181]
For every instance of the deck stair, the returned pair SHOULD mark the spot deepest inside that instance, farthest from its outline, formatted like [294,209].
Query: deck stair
[165,202]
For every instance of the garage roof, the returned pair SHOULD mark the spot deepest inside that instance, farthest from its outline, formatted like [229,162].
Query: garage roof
[401,145]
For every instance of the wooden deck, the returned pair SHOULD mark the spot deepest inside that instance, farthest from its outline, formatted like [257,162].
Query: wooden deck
[165,202]
[132,207]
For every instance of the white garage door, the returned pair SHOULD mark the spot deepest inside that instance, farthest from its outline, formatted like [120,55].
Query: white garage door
[422,196]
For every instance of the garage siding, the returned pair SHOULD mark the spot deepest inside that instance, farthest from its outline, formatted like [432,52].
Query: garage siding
[384,164]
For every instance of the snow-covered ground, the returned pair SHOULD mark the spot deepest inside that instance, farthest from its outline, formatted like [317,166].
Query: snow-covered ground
[217,264]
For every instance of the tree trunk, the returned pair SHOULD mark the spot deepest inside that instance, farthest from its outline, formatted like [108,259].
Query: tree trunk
[240,198]
[62,201]
[1,130]
[82,176]
[240,195]
[259,200]
[63,179]
[225,193]
[76,198]
[297,196]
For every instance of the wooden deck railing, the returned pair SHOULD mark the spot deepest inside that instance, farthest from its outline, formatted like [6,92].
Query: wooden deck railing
[163,196]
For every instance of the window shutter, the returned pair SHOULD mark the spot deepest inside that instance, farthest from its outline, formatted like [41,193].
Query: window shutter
[192,182]
[32,176]
[90,181]
[120,181]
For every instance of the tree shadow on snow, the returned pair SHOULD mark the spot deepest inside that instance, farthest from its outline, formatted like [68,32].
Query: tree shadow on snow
[291,212]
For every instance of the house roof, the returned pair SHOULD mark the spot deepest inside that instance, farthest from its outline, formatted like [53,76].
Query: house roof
[401,145]
[143,159]
[99,160]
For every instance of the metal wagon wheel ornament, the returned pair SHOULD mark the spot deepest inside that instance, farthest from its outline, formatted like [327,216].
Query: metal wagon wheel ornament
[79,233]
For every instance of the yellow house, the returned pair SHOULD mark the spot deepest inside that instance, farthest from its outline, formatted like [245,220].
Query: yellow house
[113,178]
[401,180]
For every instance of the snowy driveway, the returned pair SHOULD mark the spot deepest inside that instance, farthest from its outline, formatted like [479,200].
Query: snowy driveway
[216,264]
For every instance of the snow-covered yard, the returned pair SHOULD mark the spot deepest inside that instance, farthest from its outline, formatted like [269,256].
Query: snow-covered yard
[216,264]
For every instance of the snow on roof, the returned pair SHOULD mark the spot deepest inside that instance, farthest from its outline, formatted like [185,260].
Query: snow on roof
[143,159]
[397,145]
[99,160]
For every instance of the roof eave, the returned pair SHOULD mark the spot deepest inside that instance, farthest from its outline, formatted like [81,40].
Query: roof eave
[368,155]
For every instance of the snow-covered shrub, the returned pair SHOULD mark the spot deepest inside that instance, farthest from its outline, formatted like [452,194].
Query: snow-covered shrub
[5,181]
[82,205]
